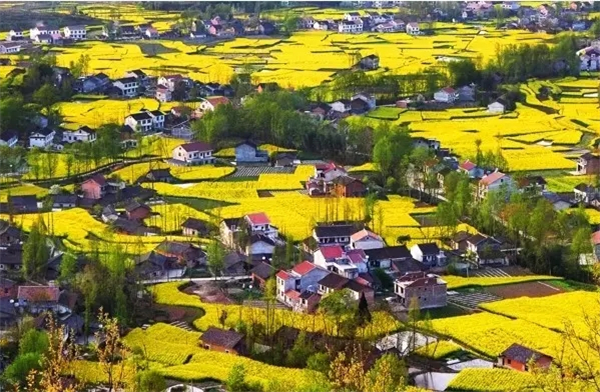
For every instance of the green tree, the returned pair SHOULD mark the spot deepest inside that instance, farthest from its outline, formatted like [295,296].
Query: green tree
[363,316]
[16,373]
[35,251]
[318,362]
[236,381]
[34,341]
[46,96]
[299,353]
[151,381]
[290,23]
[68,269]
[215,260]
[389,374]
[340,306]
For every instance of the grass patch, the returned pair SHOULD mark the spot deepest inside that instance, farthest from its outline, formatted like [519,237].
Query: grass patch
[199,204]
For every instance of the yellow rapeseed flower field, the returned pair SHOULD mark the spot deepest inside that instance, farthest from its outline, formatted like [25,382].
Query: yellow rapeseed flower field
[492,380]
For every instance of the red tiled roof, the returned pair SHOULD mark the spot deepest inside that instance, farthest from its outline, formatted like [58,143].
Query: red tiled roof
[467,165]
[357,255]
[490,179]
[197,146]
[293,294]
[359,235]
[258,218]
[596,238]
[449,90]
[216,101]
[38,293]
[283,275]
[304,268]
[98,179]
[332,252]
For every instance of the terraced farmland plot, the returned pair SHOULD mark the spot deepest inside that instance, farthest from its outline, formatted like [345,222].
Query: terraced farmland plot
[472,300]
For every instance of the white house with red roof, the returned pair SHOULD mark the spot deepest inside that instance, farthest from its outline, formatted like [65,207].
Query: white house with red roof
[210,104]
[446,95]
[412,28]
[348,264]
[163,94]
[493,182]
[195,153]
[259,223]
[365,239]
[322,181]
[170,81]
[470,169]
[298,286]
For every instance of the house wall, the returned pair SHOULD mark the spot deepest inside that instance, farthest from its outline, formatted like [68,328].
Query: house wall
[41,142]
[368,243]
[138,213]
[190,232]
[260,248]
[246,153]
[91,190]
[214,347]
[433,296]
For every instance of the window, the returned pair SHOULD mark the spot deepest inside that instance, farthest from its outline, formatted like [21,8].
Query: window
[508,361]
[227,351]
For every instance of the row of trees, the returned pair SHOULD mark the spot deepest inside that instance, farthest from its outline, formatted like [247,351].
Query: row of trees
[272,117]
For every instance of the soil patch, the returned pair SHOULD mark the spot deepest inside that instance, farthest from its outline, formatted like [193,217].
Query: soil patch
[528,289]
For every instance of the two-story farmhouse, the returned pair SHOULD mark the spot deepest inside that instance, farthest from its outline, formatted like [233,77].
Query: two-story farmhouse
[588,164]
[427,290]
[82,134]
[129,87]
[348,263]
[248,152]
[42,138]
[75,32]
[494,182]
[146,120]
[298,287]
[429,254]
[195,153]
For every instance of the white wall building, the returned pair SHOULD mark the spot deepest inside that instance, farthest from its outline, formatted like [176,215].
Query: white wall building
[83,134]
[42,138]
[75,32]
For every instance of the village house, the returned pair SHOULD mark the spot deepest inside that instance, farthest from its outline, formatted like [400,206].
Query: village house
[9,234]
[76,32]
[195,153]
[369,99]
[10,47]
[170,81]
[11,258]
[8,138]
[383,257]
[22,204]
[137,211]
[584,193]
[412,28]
[216,339]
[261,273]
[445,95]
[346,186]
[486,250]
[257,225]
[588,164]
[38,299]
[43,29]
[140,75]
[158,175]
[292,284]
[146,120]
[82,134]
[429,254]
[365,240]
[163,94]
[210,104]
[322,25]
[334,282]
[333,234]
[16,35]
[129,87]
[494,182]
[520,358]
[346,26]
[186,254]
[195,227]
[369,62]
[42,138]
[427,290]
[248,152]
[341,106]
[497,106]
[64,200]
[349,263]
[352,16]
[465,94]
[98,186]
[153,265]
[470,169]
[285,159]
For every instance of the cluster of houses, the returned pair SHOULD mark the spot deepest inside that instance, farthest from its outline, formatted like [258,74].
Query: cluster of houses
[332,179]
[359,103]
[41,33]
[590,57]
[218,27]
[357,22]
